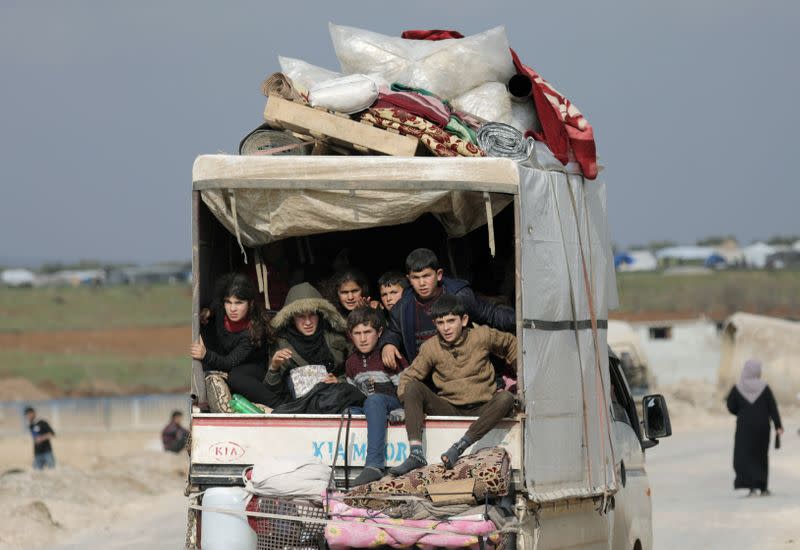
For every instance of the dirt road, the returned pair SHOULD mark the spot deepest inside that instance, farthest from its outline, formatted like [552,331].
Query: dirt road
[694,505]
[100,502]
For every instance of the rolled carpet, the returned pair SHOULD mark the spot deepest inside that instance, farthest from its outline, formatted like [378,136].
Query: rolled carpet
[279,84]
[501,140]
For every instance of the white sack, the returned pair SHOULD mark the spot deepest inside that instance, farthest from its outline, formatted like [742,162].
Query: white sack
[305,74]
[346,94]
[282,476]
[448,68]
[523,116]
[490,101]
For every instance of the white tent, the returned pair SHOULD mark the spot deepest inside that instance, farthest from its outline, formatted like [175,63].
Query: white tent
[687,253]
[641,260]
[756,254]
[17,277]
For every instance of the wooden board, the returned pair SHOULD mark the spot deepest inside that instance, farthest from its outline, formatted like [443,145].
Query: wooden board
[456,491]
[338,130]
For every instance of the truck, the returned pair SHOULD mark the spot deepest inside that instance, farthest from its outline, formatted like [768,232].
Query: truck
[534,233]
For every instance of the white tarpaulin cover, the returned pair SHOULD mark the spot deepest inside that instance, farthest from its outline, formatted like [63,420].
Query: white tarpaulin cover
[568,450]
[378,191]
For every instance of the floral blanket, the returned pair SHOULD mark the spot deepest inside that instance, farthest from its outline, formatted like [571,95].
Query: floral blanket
[363,528]
[490,468]
[437,140]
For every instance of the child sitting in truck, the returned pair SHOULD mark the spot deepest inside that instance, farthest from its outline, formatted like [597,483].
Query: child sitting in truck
[237,339]
[365,370]
[411,323]
[390,287]
[458,358]
[350,291]
[309,331]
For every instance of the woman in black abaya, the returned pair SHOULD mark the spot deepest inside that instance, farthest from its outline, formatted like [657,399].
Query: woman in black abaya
[752,402]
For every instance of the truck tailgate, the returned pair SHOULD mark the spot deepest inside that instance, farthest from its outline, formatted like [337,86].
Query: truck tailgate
[223,445]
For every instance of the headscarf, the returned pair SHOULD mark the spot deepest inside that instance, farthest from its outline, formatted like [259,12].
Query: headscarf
[750,384]
[314,348]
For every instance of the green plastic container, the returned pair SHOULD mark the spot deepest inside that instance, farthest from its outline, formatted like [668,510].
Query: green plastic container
[242,405]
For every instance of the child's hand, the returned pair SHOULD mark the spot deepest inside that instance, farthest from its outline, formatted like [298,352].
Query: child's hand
[205,315]
[391,356]
[331,379]
[198,350]
[280,357]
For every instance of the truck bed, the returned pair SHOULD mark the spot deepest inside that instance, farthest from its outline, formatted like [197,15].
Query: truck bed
[223,445]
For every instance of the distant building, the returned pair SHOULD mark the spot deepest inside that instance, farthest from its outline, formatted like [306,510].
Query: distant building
[680,349]
[72,277]
[785,259]
[730,251]
[155,274]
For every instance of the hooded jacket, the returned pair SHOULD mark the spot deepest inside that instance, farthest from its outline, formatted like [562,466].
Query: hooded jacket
[304,298]
[401,331]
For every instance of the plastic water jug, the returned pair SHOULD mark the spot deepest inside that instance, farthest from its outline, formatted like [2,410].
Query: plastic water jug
[222,531]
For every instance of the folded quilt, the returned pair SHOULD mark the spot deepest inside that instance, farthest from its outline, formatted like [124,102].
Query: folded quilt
[490,468]
[438,141]
[364,528]
[426,106]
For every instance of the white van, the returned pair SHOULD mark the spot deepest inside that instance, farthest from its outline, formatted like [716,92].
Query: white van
[534,234]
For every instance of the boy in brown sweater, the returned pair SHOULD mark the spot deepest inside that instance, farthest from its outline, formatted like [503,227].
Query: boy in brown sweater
[458,360]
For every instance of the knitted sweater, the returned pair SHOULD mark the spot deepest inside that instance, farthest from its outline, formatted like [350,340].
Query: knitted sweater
[462,371]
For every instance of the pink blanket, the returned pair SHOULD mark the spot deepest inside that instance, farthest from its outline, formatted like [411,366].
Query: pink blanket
[363,528]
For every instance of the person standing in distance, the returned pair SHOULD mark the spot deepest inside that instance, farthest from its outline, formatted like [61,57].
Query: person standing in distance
[752,402]
[42,433]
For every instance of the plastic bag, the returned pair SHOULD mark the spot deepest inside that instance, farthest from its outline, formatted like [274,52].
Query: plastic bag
[490,101]
[448,68]
[305,74]
[346,94]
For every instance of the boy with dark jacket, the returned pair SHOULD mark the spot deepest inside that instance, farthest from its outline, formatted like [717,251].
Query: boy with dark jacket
[458,358]
[410,321]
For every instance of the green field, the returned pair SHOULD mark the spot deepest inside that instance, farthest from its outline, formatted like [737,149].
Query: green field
[715,294]
[720,293]
[97,373]
[93,308]
[101,372]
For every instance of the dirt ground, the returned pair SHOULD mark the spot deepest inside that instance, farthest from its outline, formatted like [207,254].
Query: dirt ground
[103,482]
[140,341]
[119,490]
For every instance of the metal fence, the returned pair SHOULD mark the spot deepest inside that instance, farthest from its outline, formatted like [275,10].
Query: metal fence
[95,414]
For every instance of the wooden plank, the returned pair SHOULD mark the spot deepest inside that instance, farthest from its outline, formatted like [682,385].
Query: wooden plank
[307,120]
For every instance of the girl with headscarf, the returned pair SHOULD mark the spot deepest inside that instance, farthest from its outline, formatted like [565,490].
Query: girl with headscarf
[752,402]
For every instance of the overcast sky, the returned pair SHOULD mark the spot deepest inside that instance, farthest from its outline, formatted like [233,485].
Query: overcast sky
[104,105]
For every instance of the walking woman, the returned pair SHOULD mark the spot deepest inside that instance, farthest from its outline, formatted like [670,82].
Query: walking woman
[752,402]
